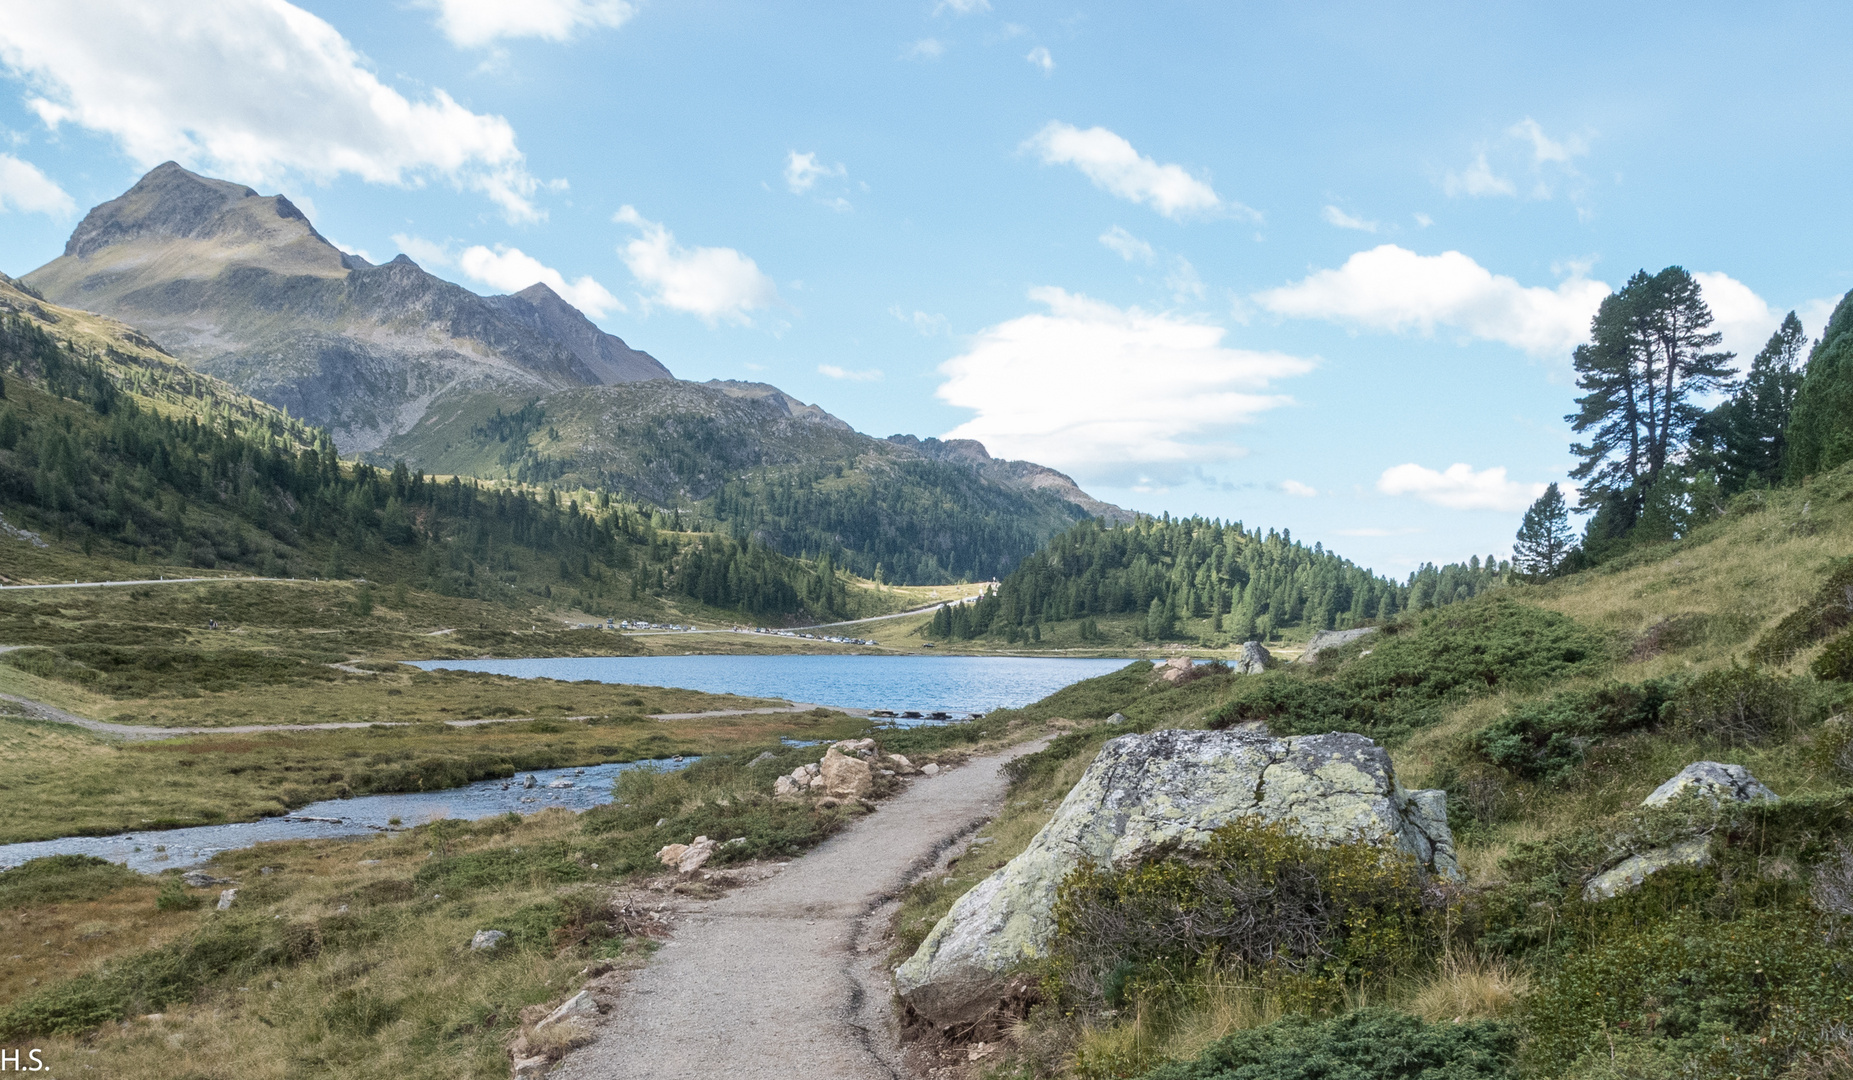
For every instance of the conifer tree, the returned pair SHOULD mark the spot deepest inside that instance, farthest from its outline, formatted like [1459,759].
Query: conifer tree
[1820,434]
[1651,353]
[1753,424]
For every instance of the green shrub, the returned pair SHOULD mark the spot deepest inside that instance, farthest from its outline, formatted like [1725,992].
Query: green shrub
[147,981]
[1414,671]
[174,898]
[1829,610]
[1835,664]
[1723,998]
[1304,917]
[1368,1044]
[1544,740]
[56,879]
[1740,705]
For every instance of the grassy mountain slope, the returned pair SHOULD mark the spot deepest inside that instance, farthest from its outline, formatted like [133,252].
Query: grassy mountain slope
[761,464]
[1547,712]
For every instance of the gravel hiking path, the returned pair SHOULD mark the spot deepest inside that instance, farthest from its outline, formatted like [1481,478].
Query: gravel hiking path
[787,976]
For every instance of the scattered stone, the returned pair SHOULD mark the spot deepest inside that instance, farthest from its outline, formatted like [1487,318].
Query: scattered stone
[692,855]
[671,854]
[816,783]
[785,785]
[1332,639]
[225,899]
[1713,780]
[854,746]
[845,777]
[1255,659]
[735,840]
[1630,872]
[1145,794]
[931,768]
[1117,718]
[530,781]
[764,756]
[200,879]
[266,871]
[579,1005]
[561,782]
[487,939]
[1174,669]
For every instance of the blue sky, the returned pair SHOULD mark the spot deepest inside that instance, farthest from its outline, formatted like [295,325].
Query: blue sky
[1316,267]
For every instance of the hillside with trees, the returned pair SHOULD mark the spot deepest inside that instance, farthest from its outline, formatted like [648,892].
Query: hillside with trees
[1197,579]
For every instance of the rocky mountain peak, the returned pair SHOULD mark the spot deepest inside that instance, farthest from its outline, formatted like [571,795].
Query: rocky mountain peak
[168,202]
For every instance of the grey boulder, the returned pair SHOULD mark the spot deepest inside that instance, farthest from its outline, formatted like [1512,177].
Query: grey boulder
[1145,794]
[1712,780]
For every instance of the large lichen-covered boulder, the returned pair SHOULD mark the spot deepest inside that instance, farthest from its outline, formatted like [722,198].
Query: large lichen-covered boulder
[1714,781]
[1146,794]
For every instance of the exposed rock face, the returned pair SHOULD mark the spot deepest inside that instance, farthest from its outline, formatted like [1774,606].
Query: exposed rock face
[1712,780]
[1255,659]
[845,777]
[1145,794]
[241,285]
[1331,639]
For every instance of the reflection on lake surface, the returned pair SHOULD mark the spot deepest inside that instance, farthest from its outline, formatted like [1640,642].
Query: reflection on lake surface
[589,787]
[953,684]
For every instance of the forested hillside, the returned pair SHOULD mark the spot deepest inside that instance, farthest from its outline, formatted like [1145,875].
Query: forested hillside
[1166,571]
[87,460]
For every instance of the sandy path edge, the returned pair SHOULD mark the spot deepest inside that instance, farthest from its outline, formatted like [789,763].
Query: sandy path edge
[787,976]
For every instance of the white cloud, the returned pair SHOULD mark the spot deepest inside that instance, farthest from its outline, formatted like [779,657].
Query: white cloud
[253,89]
[24,188]
[1039,58]
[715,283]
[511,270]
[1543,147]
[1393,288]
[1458,487]
[1112,393]
[871,375]
[424,252]
[1183,281]
[1127,246]
[1423,221]
[1295,488]
[925,49]
[924,324]
[1744,318]
[962,7]
[1112,164]
[802,171]
[471,23]
[1334,216]
[1478,179]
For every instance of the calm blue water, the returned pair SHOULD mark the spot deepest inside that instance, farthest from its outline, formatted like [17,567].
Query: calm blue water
[953,684]
[591,786]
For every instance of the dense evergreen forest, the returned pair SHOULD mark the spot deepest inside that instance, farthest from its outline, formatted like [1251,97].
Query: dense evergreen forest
[83,460]
[1657,463]
[908,522]
[1247,583]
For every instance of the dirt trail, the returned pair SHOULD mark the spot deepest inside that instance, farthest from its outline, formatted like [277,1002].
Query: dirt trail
[787,977]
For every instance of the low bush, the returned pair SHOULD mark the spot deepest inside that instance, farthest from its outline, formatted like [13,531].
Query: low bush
[1544,740]
[174,898]
[1366,1044]
[1835,664]
[1413,671]
[1304,918]
[1828,611]
[1707,997]
[59,878]
[1741,705]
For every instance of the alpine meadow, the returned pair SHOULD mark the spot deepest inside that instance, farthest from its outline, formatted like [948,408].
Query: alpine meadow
[975,540]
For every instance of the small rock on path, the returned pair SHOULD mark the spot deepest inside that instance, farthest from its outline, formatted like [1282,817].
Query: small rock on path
[788,977]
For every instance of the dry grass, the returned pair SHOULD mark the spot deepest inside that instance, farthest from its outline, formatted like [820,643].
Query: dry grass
[1469,988]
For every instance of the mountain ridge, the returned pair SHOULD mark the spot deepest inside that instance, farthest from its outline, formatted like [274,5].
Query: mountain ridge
[399,364]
